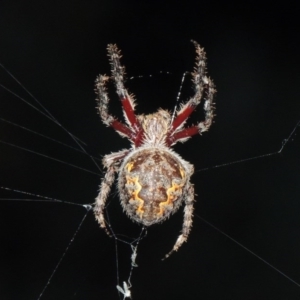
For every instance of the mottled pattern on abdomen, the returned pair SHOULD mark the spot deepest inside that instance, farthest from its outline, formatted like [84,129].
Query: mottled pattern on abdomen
[151,184]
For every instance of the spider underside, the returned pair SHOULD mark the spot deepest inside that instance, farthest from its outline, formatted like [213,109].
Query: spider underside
[153,180]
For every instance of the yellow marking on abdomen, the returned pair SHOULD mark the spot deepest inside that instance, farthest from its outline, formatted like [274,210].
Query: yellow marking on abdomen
[170,197]
[135,194]
[129,166]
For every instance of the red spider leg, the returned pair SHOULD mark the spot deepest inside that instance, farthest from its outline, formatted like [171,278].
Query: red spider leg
[108,119]
[183,134]
[118,73]
[123,129]
[198,77]
[202,126]
[182,116]
[201,82]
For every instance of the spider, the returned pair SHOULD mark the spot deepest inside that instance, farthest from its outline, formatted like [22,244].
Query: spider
[153,180]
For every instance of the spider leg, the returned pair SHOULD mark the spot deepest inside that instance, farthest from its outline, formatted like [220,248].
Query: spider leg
[111,162]
[203,126]
[202,84]
[118,74]
[103,100]
[187,220]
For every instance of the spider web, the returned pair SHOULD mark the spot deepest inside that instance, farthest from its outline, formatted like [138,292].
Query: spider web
[77,159]
[82,210]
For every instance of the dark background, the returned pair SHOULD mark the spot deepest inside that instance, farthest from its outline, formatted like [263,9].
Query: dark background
[56,49]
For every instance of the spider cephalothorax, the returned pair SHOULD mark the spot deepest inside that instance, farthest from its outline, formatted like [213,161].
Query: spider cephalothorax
[153,180]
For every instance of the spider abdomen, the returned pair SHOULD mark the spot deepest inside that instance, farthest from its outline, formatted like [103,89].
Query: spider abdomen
[152,182]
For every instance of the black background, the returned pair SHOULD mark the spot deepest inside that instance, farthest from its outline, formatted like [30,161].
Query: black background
[56,49]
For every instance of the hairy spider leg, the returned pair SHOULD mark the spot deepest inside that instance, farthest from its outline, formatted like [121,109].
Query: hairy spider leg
[187,220]
[197,75]
[201,84]
[202,126]
[103,100]
[111,162]
[127,100]
[105,188]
